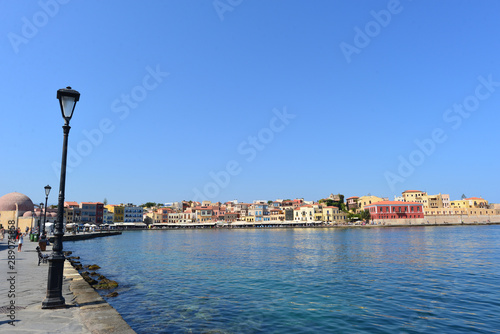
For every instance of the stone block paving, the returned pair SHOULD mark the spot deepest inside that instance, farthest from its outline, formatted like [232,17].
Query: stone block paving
[86,311]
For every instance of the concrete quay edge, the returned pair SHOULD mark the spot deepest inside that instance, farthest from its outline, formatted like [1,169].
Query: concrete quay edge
[96,314]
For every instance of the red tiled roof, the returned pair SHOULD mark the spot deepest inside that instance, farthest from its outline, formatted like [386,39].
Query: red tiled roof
[392,203]
[412,191]
[353,197]
[474,198]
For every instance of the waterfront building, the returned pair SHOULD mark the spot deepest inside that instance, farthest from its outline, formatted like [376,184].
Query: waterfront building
[276,215]
[461,211]
[363,201]
[395,210]
[173,218]
[285,205]
[304,213]
[241,208]
[472,202]
[259,211]
[72,212]
[276,204]
[414,196]
[160,215]
[117,211]
[250,219]
[288,214]
[107,216]
[204,214]
[91,213]
[296,203]
[334,215]
[318,213]
[436,201]
[352,203]
[230,217]
[132,214]
[399,198]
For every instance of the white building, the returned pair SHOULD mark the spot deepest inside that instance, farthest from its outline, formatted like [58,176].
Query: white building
[132,214]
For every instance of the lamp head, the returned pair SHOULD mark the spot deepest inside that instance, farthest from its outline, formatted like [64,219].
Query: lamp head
[47,190]
[67,99]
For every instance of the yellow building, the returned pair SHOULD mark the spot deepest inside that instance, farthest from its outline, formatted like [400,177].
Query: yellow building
[249,219]
[117,211]
[276,215]
[436,201]
[414,196]
[333,214]
[461,211]
[367,200]
[472,202]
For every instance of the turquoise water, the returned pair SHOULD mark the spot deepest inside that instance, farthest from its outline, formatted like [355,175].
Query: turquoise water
[380,280]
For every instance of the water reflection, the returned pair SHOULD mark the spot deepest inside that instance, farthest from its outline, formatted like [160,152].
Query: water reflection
[304,280]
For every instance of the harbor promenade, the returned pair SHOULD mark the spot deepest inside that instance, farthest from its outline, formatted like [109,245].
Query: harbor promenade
[24,285]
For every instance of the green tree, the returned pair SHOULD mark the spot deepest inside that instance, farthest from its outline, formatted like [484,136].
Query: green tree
[269,202]
[148,221]
[365,215]
[105,202]
[148,205]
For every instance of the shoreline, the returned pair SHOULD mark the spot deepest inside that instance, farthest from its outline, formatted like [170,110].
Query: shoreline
[268,225]
[85,311]
[85,235]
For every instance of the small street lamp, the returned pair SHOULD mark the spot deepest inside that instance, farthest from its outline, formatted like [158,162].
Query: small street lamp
[67,99]
[39,224]
[47,192]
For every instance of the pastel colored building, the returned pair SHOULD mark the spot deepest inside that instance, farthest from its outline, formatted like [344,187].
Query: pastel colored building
[472,202]
[117,211]
[414,196]
[304,213]
[395,210]
[363,201]
[91,213]
[276,215]
[107,217]
[332,214]
[352,203]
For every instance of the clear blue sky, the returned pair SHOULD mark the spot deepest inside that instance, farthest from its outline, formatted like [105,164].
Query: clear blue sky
[277,99]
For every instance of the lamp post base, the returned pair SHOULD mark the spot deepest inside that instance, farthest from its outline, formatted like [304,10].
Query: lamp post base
[54,298]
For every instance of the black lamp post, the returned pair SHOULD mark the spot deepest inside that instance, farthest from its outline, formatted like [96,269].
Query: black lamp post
[47,192]
[39,224]
[67,99]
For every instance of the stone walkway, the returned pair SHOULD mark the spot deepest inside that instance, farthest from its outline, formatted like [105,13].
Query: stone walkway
[86,311]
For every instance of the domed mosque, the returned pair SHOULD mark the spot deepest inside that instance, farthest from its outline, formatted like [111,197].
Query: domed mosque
[14,208]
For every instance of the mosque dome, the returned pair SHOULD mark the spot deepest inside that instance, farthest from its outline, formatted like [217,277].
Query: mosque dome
[8,202]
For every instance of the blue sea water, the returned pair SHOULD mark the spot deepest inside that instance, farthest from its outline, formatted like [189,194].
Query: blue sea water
[352,280]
